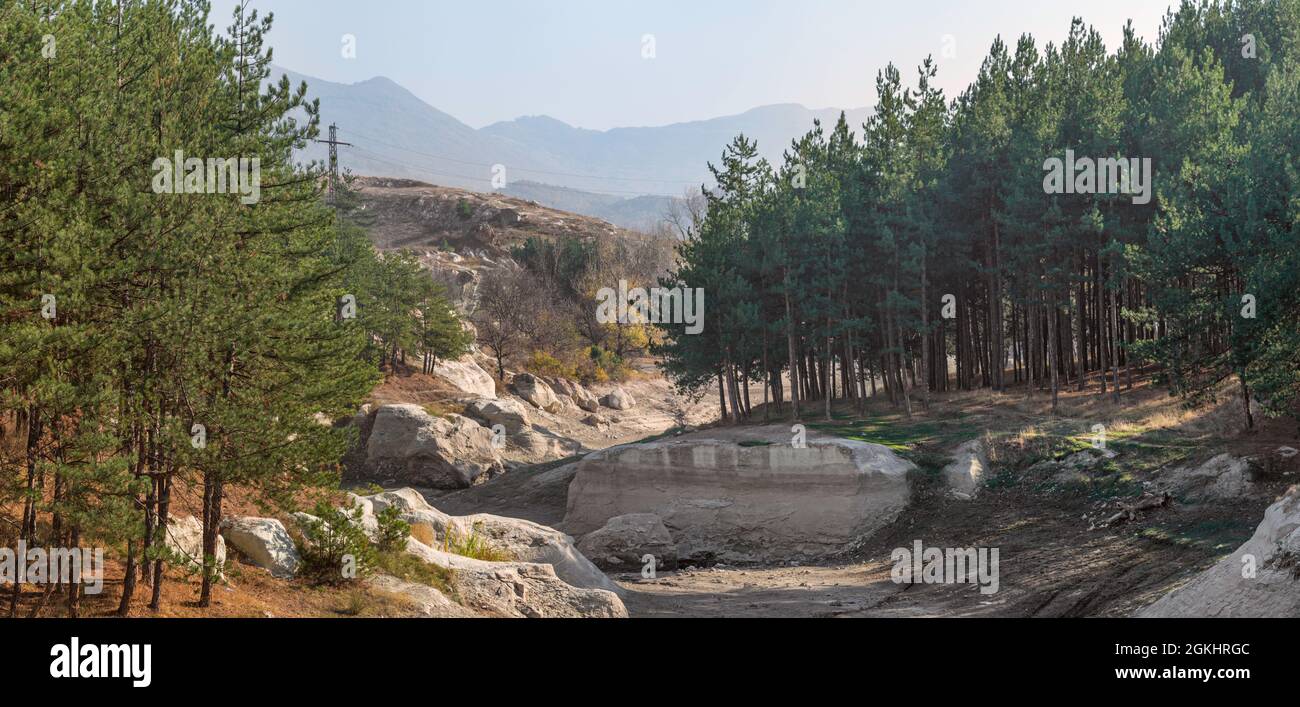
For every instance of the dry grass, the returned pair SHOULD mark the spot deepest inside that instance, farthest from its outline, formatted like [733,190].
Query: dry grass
[424,533]
[442,408]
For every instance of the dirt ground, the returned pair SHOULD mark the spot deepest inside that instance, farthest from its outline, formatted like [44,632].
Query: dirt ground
[1051,563]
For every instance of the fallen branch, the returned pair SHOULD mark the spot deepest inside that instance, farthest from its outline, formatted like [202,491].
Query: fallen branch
[1129,511]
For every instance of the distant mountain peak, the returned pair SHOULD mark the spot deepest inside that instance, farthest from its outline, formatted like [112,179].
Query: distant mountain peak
[396,134]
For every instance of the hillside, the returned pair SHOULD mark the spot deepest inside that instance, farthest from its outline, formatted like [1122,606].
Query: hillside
[404,213]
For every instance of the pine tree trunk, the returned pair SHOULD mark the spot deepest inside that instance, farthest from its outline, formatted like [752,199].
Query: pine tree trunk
[925,333]
[789,338]
[1054,353]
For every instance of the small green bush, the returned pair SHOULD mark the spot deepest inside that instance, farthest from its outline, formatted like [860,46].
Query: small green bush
[393,531]
[464,209]
[335,549]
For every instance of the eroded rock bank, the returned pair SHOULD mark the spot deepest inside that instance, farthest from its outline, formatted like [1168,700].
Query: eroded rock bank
[1260,580]
[744,495]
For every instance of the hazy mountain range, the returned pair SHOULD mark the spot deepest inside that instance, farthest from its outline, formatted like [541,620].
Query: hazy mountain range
[625,175]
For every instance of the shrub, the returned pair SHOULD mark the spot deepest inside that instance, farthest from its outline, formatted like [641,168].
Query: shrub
[335,549]
[393,531]
[544,364]
[464,209]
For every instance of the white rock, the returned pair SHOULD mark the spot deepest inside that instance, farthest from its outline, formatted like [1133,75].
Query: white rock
[618,399]
[523,540]
[185,537]
[467,375]
[424,600]
[409,445]
[580,395]
[507,412]
[264,542]
[527,541]
[521,589]
[406,499]
[535,391]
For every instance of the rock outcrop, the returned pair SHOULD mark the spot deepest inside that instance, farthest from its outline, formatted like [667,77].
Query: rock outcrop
[1260,580]
[522,540]
[535,391]
[545,575]
[264,542]
[408,445]
[580,395]
[745,495]
[624,541]
[467,375]
[521,589]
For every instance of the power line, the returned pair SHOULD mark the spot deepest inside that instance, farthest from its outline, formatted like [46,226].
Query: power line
[333,157]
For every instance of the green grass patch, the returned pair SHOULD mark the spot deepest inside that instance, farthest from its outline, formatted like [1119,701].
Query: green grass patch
[1219,536]
[900,434]
[410,568]
[474,545]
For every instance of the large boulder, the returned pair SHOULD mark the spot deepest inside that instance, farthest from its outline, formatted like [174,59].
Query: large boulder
[409,445]
[618,399]
[427,523]
[185,539]
[1260,580]
[467,375]
[264,542]
[507,412]
[745,495]
[585,400]
[535,391]
[622,542]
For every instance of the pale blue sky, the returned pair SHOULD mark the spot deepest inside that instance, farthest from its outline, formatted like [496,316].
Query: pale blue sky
[581,60]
